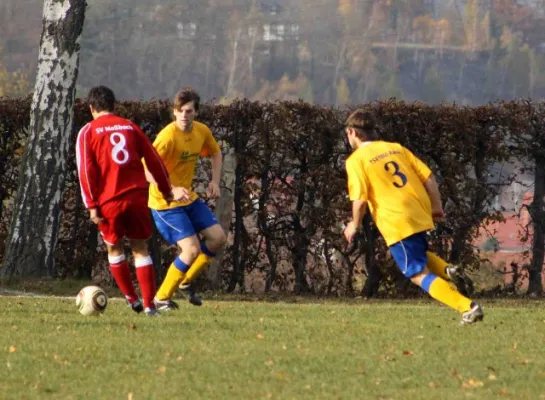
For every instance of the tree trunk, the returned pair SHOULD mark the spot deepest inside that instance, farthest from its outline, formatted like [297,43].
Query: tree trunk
[535,285]
[237,275]
[35,223]
[224,213]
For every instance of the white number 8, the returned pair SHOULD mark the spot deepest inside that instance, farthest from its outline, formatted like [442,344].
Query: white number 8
[120,155]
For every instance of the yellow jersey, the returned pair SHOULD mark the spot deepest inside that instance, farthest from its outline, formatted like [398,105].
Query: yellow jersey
[391,180]
[179,151]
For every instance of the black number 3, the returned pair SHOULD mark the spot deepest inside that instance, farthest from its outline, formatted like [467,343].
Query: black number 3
[396,172]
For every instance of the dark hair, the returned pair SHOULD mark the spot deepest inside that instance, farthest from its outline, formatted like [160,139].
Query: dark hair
[187,95]
[364,124]
[101,98]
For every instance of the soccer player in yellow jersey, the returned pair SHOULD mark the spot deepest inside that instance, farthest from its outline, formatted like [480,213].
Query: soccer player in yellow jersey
[404,200]
[179,145]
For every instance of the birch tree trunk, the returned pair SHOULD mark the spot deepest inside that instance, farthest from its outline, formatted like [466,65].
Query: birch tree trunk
[34,227]
[224,213]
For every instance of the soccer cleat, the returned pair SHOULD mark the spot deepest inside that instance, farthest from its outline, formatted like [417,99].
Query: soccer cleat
[190,294]
[151,312]
[165,305]
[454,272]
[136,306]
[476,314]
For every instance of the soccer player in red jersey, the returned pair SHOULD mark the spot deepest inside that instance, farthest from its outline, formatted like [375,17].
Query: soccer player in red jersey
[114,188]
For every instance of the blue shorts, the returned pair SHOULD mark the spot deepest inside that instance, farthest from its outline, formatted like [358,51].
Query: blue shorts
[410,254]
[181,222]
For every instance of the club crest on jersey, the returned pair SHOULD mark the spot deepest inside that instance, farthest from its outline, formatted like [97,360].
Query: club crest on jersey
[186,156]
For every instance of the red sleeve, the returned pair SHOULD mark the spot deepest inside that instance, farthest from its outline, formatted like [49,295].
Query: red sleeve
[87,171]
[154,164]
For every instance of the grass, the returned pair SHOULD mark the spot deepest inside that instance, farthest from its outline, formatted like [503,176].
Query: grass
[258,350]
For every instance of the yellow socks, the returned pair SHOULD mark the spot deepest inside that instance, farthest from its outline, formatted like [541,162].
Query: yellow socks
[437,265]
[175,275]
[444,292]
[196,268]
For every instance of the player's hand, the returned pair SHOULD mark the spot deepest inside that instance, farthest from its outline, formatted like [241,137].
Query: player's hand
[350,231]
[438,214]
[94,215]
[181,193]
[169,198]
[213,191]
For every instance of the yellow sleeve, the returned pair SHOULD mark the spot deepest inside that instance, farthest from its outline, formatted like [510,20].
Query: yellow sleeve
[421,169]
[163,146]
[357,181]
[210,146]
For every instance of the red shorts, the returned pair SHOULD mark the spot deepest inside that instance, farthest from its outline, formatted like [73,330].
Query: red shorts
[126,216]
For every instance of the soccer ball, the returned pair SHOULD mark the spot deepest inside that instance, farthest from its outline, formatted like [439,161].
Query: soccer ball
[91,300]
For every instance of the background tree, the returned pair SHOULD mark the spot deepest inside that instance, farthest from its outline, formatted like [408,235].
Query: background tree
[34,227]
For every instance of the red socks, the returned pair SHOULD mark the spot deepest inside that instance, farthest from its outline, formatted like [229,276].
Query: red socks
[122,275]
[146,279]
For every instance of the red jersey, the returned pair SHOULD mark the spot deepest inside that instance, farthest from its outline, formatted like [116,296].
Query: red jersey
[109,154]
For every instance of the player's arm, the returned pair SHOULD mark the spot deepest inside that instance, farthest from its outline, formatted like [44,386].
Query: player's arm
[435,198]
[211,148]
[87,174]
[155,170]
[86,168]
[357,192]
[430,184]
[214,187]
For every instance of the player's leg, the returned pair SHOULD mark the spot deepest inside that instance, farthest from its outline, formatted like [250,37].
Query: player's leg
[138,230]
[175,227]
[410,256]
[145,273]
[442,268]
[204,221]
[112,232]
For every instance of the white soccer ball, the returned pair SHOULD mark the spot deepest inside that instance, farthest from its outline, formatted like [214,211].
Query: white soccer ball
[91,300]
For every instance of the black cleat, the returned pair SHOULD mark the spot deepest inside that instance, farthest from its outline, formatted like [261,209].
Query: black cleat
[190,294]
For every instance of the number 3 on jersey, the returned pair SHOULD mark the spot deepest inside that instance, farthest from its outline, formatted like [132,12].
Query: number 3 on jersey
[393,168]
[120,155]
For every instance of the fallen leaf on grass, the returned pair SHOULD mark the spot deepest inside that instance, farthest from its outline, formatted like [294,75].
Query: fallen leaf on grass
[473,383]
[455,374]
[433,385]
[503,392]
[12,349]
[515,345]
[260,336]
[132,327]
[179,358]
[281,375]
[492,377]
[130,396]
[161,370]
[491,368]
[407,353]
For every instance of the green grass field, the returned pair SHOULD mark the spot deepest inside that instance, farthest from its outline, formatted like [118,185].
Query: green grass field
[271,350]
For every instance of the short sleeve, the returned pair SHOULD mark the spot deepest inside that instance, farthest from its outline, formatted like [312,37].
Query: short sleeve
[358,185]
[421,169]
[210,145]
